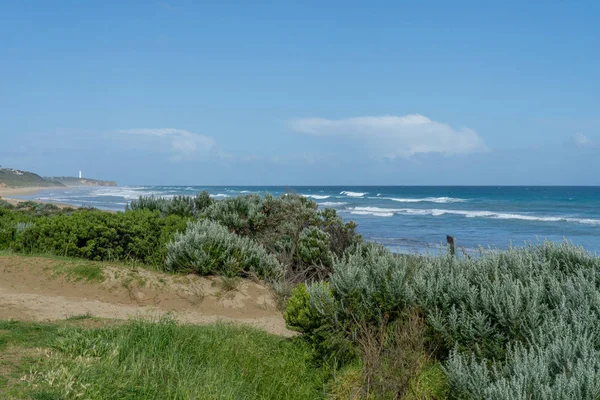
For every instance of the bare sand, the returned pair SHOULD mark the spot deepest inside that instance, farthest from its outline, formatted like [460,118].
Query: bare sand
[32,289]
[6,191]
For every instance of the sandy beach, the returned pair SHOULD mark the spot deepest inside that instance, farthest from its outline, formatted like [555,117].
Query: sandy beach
[6,194]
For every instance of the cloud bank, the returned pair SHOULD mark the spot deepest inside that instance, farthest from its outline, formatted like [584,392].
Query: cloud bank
[396,136]
[183,144]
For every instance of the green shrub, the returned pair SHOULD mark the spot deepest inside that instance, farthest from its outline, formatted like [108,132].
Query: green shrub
[290,227]
[207,247]
[5,204]
[342,236]
[136,235]
[313,252]
[12,223]
[299,316]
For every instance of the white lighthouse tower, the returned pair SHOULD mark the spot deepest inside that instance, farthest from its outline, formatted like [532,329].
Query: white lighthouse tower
[79,174]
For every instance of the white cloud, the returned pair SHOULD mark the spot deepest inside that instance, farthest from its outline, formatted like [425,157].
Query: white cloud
[393,136]
[581,140]
[183,143]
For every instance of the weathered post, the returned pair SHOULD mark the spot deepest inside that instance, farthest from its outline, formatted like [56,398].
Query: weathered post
[450,241]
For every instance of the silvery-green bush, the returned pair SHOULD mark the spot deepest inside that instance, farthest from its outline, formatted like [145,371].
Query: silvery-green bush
[518,324]
[525,323]
[183,206]
[366,285]
[207,247]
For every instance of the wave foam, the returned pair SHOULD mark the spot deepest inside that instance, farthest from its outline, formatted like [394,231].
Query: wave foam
[316,196]
[428,200]
[219,195]
[377,211]
[353,194]
[332,203]
[128,193]
[373,213]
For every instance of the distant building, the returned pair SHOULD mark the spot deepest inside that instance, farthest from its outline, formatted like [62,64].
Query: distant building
[79,174]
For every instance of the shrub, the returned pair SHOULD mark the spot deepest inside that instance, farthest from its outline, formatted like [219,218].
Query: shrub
[342,236]
[392,356]
[313,252]
[183,206]
[10,222]
[137,235]
[242,215]
[39,209]
[290,227]
[524,323]
[532,314]
[207,247]
[365,286]
[299,315]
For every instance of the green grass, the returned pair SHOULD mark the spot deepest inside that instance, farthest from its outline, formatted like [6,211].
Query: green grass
[77,270]
[77,317]
[157,360]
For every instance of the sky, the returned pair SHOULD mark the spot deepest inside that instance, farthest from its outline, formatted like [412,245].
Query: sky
[302,93]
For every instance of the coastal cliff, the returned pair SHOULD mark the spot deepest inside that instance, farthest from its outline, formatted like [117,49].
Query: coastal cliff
[11,178]
[73,181]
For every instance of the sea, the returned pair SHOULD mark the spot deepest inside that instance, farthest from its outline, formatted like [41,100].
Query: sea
[411,219]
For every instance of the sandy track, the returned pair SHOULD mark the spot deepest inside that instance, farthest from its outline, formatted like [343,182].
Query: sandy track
[33,288]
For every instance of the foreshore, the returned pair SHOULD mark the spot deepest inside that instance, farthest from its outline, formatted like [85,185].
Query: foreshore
[6,193]
[24,191]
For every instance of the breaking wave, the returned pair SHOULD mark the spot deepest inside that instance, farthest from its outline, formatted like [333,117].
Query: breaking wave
[428,200]
[386,212]
[353,194]
[333,204]
[316,196]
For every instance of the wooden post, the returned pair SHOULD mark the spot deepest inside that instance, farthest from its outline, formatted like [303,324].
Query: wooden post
[450,241]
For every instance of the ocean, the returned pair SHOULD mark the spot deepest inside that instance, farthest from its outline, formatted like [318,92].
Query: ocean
[411,218]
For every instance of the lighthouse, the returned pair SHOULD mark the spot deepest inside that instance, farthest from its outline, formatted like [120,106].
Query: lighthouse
[79,174]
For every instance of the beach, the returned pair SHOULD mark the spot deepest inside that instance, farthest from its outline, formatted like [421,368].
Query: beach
[7,194]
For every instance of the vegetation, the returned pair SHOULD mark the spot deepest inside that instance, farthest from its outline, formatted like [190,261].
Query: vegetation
[153,360]
[140,236]
[209,248]
[73,181]
[15,178]
[285,238]
[516,324]
[510,325]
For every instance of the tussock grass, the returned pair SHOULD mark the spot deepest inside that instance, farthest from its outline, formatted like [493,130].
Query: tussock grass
[162,360]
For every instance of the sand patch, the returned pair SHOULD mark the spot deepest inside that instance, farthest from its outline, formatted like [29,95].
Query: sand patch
[41,289]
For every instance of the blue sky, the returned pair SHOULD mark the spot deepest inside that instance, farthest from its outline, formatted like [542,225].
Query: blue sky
[222,93]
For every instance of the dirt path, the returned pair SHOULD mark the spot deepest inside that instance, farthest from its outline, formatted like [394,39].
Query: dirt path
[46,289]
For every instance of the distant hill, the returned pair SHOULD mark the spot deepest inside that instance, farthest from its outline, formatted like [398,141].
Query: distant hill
[73,181]
[15,178]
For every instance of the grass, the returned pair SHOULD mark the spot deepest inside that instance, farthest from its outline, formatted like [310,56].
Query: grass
[230,283]
[154,360]
[88,271]
[78,317]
